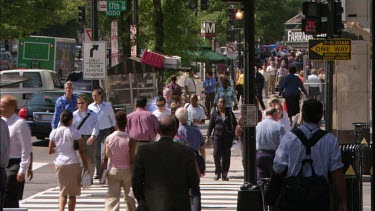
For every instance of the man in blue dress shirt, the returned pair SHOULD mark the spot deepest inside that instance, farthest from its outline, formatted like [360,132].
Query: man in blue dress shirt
[65,102]
[326,154]
[89,129]
[268,135]
[209,86]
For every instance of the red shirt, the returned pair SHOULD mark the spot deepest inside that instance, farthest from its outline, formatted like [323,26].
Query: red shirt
[176,89]
[142,125]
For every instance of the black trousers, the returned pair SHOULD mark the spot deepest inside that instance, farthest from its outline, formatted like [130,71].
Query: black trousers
[264,163]
[3,186]
[14,190]
[195,199]
[222,145]
[239,89]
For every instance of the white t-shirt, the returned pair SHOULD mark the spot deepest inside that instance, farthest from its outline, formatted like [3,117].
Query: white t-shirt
[159,114]
[271,70]
[63,138]
[194,113]
[190,84]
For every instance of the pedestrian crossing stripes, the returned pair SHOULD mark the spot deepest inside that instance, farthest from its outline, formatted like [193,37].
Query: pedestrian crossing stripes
[216,195]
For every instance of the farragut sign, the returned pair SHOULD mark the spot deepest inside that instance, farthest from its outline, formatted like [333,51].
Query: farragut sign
[297,36]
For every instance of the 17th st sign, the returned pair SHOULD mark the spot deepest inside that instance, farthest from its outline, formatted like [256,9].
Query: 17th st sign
[330,49]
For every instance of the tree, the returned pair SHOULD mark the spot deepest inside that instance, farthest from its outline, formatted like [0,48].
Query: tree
[24,17]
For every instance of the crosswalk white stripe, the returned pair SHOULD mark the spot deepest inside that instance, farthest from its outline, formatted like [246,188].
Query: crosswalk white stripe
[216,195]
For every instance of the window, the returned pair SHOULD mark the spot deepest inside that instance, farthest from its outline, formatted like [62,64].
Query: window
[45,98]
[35,80]
[56,81]
[10,75]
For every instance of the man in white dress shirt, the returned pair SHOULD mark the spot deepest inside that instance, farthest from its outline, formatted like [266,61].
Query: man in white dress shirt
[106,119]
[190,87]
[86,122]
[20,151]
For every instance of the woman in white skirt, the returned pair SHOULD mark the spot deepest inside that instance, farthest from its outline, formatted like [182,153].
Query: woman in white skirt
[68,170]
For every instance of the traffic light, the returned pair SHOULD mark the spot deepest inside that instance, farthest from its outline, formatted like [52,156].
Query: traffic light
[316,18]
[232,17]
[192,4]
[338,26]
[81,14]
[204,4]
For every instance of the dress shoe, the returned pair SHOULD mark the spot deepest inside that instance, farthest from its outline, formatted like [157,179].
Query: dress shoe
[217,177]
[225,178]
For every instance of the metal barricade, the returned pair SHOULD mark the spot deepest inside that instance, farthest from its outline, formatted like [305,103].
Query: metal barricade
[352,158]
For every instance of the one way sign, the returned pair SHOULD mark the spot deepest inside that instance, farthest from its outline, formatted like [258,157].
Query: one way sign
[94,60]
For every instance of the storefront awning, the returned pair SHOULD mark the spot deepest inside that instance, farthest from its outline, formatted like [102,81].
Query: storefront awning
[205,54]
[134,65]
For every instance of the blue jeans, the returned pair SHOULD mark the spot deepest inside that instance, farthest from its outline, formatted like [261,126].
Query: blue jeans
[98,154]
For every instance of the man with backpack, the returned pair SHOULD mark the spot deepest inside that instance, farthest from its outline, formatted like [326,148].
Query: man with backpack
[310,158]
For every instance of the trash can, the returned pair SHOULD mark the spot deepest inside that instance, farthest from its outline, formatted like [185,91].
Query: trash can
[352,156]
[361,131]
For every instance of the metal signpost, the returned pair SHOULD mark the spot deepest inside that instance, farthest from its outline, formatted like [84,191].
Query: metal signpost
[94,60]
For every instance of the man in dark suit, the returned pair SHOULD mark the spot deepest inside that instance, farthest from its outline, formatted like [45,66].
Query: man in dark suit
[164,171]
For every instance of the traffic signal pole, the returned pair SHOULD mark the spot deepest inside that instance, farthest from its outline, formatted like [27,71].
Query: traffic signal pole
[249,195]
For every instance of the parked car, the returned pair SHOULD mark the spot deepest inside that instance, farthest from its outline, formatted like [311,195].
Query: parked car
[39,79]
[39,110]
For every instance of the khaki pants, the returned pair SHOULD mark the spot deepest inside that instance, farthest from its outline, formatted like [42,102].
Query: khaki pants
[90,151]
[271,84]
[117,179]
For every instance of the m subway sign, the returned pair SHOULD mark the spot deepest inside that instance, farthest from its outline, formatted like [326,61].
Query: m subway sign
[208,29]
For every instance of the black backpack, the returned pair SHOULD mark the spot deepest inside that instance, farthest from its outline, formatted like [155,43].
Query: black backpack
[305,193]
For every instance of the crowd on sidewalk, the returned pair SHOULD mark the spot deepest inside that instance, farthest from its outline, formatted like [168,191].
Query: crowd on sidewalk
[159,156]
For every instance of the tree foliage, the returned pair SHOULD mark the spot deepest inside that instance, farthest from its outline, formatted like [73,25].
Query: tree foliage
[23,17]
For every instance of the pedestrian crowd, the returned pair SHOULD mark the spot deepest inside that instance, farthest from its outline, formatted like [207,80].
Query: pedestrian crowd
[158,157]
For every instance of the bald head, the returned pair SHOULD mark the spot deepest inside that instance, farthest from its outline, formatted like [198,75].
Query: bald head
[168,126]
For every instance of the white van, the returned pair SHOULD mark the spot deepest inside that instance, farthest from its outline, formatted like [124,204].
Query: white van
[38,80]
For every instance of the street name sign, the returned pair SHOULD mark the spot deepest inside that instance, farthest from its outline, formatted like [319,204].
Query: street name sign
[114,8]
[330,49]
[94,60]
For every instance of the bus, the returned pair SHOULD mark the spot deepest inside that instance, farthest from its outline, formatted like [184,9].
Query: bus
[51,53]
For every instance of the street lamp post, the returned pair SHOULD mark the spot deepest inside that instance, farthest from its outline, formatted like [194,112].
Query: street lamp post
[239,16]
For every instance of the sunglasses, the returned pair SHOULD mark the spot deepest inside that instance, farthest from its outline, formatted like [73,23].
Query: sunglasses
[160,105]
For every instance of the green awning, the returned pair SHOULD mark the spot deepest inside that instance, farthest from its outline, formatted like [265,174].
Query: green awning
[205,54]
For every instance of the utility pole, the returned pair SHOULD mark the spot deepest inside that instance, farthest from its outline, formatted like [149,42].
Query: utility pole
[373,107]
[330,71]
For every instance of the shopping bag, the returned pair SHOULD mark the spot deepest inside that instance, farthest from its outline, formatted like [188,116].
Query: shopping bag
[86,181]
[103,177]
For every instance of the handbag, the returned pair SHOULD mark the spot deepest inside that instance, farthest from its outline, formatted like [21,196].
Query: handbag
[200,162]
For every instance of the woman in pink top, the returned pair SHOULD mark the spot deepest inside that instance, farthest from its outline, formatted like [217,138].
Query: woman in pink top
[119,151]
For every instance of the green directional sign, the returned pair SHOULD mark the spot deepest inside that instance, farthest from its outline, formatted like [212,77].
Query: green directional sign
[114,8]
